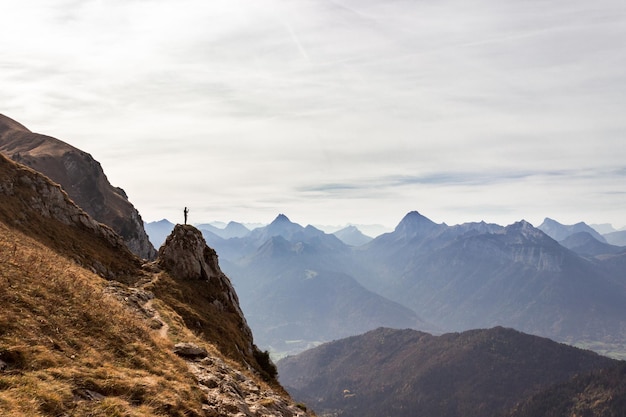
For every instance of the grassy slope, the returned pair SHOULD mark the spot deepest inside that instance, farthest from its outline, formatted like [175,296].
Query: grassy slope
[596,394]
[68,346]
[61,334]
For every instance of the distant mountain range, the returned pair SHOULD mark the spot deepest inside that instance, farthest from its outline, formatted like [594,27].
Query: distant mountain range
[301,287]
[445,278]
[293,284]
[352,236]
[480,275]
[477,373]
[158,230]
[616,238]
[558,231]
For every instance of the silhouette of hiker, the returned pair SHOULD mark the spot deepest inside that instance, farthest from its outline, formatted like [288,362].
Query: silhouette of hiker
[186,211]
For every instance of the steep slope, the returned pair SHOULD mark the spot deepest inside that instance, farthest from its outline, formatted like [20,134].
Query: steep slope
[73,343]
[596,394]
[203,296]
[67,347]
[481,276]
[41,209]
[81,177]
[410,373]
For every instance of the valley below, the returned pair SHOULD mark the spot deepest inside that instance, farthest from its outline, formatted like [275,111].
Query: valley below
[105,315]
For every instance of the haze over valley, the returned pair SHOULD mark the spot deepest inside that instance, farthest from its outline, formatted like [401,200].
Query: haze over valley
[292,208]
[301,288]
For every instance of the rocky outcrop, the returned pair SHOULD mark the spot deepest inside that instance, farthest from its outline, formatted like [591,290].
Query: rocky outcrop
[81,177]
[190,350]
[234,393]
[39,207]
[186,255]
[203,295]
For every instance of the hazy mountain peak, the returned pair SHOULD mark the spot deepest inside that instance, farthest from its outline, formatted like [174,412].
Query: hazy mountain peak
[548,221]
[351,235]
[523,225]
[281,218]
[559,231]
[479,227]
[525,229]
[234,229]
[282,226]
[414,223]
[603,228]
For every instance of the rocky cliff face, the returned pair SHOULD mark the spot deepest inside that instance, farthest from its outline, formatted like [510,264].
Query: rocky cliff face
[81,177]
[39,207]
[186,256]
[204,297]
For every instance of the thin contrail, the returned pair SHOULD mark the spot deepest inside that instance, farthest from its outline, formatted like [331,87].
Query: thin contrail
[296,41]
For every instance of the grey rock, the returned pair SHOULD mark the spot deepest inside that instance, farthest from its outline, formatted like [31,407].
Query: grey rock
[190,350]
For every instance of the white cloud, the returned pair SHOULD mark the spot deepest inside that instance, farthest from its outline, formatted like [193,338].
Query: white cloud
[250,108]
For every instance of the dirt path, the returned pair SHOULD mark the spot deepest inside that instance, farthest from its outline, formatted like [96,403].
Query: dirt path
[165,327]
[149,305]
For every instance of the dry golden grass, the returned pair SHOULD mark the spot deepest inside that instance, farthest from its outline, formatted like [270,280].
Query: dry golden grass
[62,336]
[192,304]
[70,344]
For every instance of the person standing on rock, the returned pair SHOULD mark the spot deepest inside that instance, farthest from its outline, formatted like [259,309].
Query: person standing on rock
[186,211]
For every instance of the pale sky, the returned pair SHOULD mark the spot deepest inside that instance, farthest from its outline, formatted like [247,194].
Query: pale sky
[333,111]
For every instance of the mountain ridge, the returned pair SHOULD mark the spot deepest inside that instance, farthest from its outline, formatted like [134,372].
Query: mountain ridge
[86,329]
[560,231]
[81,176]
[479,372]
[516,276]
[455,278]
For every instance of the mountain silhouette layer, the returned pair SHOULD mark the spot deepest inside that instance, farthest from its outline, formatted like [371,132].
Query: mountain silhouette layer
[479,275]
[452,278]
[410,373]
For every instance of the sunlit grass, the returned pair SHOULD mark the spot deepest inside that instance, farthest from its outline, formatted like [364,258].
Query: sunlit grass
[61,333]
